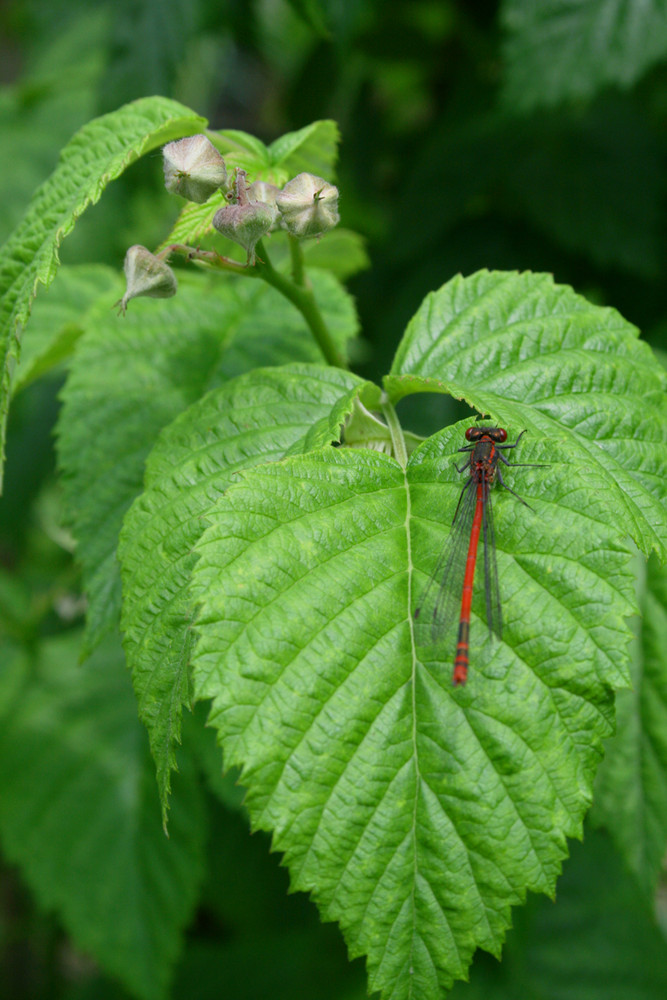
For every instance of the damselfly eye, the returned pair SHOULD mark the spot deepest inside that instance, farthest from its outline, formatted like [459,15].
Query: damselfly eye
[499,435]
[474,433]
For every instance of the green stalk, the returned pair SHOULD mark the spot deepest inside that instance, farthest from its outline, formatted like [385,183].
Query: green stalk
[395,429]
[302,297]
[296,257]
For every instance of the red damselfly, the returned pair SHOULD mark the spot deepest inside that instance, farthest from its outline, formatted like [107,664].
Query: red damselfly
[452,579]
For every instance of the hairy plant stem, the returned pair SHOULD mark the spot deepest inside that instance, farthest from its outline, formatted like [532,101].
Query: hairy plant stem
[302,297]
[296,258]
[209,257]
[395,429]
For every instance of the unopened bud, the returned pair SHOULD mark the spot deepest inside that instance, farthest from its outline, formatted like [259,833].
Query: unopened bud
[245,224]
[308,206]
[148,275]
[193,168]
[266,193]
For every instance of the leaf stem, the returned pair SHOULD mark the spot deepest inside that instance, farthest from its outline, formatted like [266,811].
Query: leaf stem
[395,429]
[302,297]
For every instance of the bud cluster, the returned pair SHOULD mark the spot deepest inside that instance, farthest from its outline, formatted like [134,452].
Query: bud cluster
[306,206]
[193,168]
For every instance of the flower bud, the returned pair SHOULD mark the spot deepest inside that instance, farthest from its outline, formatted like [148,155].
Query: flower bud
[146,274]
[266,193]
[245,224]
[193,168]
[308,206]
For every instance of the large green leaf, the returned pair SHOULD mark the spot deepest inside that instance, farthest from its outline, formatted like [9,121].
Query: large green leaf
[59,318]
[631,790]
[96,155]
[79,813]
[130,378]
[416,813]
[574,374]
[254,418]
[569,49]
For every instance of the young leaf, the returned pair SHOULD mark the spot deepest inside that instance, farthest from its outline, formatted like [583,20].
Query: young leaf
[416,813]
[570,49]
[96,155]
[79,814]
[255,418]
[540,357]
[313,149]
[631,790]
[131,377]
[240,149]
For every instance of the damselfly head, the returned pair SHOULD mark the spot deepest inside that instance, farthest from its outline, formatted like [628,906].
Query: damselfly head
[496,434]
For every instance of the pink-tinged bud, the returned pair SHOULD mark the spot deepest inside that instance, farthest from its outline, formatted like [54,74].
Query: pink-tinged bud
[308,206]
[193,168]
[245,224]
[148,275]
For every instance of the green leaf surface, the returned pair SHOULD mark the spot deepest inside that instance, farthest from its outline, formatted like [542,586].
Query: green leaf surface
[416,813]
[195,222]
[79,813]
[130,377]
[60,317]
[576,375]
[96,155]
[569,49]
[255,418]
[342,252]
[631,789]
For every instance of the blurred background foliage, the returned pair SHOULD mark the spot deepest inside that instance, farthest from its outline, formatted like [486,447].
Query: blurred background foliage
[475,134]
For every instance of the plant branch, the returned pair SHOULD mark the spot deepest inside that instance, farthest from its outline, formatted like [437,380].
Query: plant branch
[296,257]
[209,257]
[303,298]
